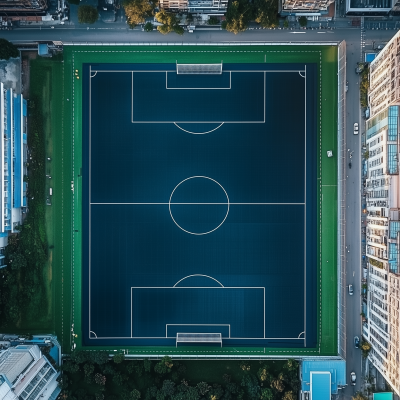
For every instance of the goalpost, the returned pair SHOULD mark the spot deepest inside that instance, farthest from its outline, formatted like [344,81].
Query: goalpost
[198,338]
[203,69]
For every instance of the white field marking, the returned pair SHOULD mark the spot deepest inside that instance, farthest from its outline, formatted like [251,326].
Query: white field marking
[205,122]
[221,204]
[195,287]
[217,203]
[198,133]
[205,276]
[172,337]
[228,70]
[303,76]
[301,333]
[196,177]
[90,193]
[202,88]
[93,334]
[95,73]
[231,338]
[305,201]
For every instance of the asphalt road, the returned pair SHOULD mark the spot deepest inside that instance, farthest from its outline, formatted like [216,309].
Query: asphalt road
[120,34]
[353,38]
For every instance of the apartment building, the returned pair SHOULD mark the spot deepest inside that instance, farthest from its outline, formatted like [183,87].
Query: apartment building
[26,374]
[212,7]
[307,8]
[13,155]
[382,325]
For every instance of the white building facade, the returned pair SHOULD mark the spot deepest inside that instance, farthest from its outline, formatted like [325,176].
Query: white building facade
[13,155]
[26,374]
[381,327]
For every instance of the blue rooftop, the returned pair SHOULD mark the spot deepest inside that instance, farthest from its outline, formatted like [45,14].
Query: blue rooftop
[383,396]
[370,57]
[323,378]
[320,386]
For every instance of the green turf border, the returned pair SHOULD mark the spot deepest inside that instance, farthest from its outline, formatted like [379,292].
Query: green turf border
[69,222]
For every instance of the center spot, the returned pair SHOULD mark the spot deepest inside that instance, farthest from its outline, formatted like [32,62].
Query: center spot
[199,205]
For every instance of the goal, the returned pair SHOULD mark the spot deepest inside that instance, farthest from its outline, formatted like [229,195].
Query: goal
[198,338]
[202,69]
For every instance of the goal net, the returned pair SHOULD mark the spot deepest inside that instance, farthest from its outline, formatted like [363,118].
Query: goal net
[198,338]
[204,69]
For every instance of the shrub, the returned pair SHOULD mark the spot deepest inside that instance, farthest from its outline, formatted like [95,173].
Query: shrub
[303,21]
[148,27]
[87,14]
[7,50]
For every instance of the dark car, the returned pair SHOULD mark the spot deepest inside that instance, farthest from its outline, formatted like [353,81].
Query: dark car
[356,342]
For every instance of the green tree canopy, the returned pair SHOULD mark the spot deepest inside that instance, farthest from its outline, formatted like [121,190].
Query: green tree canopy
[118,358]
[170,23]
[266,13]
[87,14]
[137,10]
[303,21]
[17,261]
[238,16]
[148,27]
[7,50]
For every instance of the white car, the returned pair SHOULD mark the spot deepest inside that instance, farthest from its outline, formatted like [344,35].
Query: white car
[356,128]
[353,378]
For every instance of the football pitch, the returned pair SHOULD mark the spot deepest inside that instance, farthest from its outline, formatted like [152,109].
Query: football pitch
[199,203]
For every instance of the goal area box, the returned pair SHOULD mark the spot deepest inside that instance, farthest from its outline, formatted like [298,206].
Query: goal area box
[200,205]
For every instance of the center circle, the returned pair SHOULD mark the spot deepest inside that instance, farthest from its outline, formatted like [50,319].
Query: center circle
[200,204]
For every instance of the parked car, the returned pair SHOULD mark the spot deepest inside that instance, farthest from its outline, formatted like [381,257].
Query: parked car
[353,378]
[356,342]
[351,290]
[356,128]
[347,86]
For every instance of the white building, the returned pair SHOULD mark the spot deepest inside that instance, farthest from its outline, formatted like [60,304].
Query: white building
[13,153]
[26,374]
[382,324]
[211,7]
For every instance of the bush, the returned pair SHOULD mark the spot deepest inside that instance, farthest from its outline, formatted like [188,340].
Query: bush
[87,14]
[303,21]
[118,358]
[148,27]
[7,50]
[213,21]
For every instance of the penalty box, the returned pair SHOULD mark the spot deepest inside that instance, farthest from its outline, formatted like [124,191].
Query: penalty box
[131,315]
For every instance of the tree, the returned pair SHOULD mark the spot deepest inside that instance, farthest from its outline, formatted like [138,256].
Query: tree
[7,50]
[147,364]
[203,388]
[88,369]
[168,388]
[98,357]
[164,365]
[118,358]
[365,348]
[87,14]
[303,21]
[286,23]
[237,16]
[266,13]
[148,27]
[289,396]
[267,394]
[100,379]
[251,385]
[137,10]
[170,23]
[213,21]
[263,373]
[17,261]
